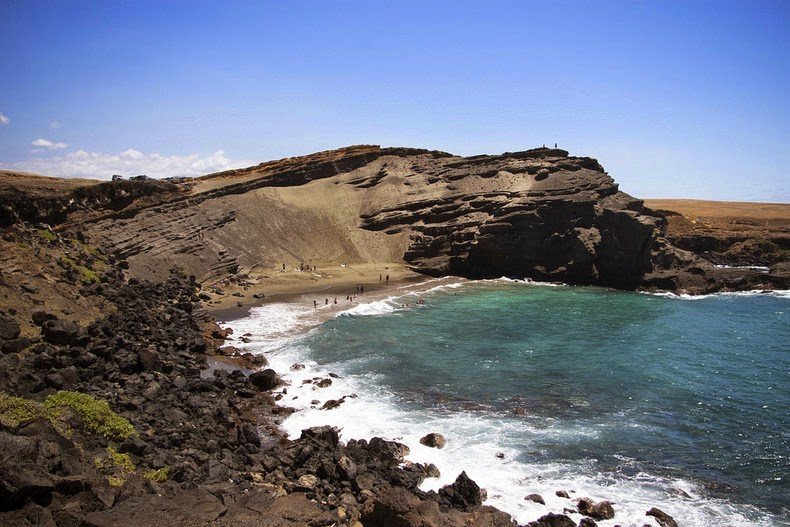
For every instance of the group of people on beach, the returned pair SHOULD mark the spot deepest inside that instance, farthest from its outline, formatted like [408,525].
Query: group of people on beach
[303,267]
[349,298]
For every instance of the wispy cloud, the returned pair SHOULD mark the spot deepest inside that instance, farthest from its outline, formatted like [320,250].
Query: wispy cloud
[50,145]
[130,162]
[55,125]
[4,119]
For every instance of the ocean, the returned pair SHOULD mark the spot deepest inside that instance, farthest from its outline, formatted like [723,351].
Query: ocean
[645,400]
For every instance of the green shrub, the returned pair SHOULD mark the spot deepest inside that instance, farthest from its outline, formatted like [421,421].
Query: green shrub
[47,235]
[95,415]
[160,476]
[86,275]
[16,410]
[121,461]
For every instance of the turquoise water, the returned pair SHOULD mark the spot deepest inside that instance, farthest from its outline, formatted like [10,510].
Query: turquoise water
[643,400]
[686,389]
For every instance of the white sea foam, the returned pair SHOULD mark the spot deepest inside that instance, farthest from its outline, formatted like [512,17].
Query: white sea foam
[379,307]
[524,281]
[779,293]
[407,296]
[473,440]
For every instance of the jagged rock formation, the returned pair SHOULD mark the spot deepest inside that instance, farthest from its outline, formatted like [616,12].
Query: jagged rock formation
[540,213]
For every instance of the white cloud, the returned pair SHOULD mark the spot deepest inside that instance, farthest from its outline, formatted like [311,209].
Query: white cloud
[44,143]
[4,119]
[128,163]
[55,125]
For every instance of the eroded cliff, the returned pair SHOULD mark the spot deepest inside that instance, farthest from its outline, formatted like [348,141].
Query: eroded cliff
[540,214]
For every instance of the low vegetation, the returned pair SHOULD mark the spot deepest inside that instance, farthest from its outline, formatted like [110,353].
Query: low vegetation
[159,476]
[16,410]
[47,235]
[85,274]
[95,415]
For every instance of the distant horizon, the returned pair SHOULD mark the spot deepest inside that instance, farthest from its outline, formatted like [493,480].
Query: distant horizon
[673,98]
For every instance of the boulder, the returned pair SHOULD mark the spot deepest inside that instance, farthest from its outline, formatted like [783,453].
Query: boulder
[40,316]
[264,380]
[63,332]
[324,435]
[9,329]
[20,485]
[307,482]
[553,520]
[600,511]
[663,519]
[463,493]
[432,471]
[331,404]
[537,498]
[433,440]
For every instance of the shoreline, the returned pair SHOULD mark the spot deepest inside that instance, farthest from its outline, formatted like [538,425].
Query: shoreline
[294,377]
[294,284]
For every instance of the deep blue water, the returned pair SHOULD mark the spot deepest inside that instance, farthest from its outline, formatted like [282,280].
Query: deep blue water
[689,390]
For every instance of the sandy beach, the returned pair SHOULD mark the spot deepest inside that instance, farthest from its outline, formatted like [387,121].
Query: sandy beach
[295,285]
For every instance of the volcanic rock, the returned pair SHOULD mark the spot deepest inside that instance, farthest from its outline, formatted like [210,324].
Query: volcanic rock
[600,511]
[433,440]
[537,498]
[9,329]
[59,331]
[463,493]
[265,380]
[553,520]
[663,519]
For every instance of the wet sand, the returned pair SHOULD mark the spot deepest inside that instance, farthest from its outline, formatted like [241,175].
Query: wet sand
[305,286]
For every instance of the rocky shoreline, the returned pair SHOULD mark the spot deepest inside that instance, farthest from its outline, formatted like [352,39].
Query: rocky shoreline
[117,406]
[121,422]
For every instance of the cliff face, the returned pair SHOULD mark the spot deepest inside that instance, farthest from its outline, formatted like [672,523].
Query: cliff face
[540,214]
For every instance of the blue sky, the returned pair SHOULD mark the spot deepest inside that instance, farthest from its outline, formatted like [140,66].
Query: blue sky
[676,99]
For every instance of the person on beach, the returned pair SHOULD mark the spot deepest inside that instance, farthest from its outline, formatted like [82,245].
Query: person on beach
[283,267]
[315,304]
[362,290]
[388,279]
[335,300]
[379,278]
[326,301]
